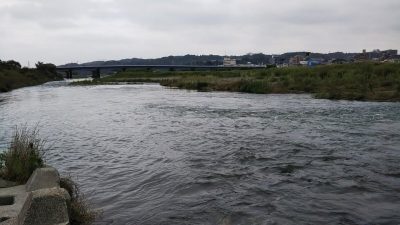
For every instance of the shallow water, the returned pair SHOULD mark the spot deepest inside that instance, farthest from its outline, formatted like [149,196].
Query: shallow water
[145,154]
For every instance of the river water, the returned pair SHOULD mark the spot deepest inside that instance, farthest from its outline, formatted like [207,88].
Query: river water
[148,155]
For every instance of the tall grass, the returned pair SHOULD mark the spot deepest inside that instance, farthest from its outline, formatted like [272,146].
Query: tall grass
[357,81]
[79,211]
[25,154]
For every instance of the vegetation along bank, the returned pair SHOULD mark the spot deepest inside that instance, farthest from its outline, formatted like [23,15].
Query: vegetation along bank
[13,76]
[357,81]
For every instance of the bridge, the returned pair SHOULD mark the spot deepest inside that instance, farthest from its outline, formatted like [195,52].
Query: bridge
[96,70]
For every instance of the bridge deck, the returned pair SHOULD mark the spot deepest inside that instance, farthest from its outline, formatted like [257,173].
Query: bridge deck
[67,68]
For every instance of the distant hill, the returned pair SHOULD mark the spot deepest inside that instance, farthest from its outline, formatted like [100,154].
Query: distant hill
[208,60]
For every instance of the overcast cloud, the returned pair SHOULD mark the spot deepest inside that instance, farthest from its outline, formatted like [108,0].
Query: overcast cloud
[62,31]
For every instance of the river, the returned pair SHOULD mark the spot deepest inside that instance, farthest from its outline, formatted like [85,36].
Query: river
[147,155]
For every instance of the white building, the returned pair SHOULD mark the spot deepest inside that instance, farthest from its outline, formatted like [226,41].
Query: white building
[229,62]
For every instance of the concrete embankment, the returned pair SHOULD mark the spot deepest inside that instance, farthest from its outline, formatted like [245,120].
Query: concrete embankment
[40,201]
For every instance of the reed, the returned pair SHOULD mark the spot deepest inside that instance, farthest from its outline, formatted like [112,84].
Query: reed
[79,210]
[25,154]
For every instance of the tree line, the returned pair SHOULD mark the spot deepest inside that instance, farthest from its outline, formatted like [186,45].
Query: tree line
[13,75]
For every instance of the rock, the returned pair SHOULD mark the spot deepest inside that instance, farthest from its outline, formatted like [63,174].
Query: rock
[47,177]
[40,202]
[6,183]
[45,207]
[10,208]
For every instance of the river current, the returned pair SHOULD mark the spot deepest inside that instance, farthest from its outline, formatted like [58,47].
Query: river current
[150,155]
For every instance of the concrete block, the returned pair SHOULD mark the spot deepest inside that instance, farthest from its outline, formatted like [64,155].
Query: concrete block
[10,208]
[45,207]
[6,183]
[47,177]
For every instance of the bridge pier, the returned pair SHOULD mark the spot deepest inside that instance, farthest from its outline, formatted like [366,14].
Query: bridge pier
[96,73]
[69,74]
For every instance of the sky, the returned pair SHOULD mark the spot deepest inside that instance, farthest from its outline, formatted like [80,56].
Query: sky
[64,31]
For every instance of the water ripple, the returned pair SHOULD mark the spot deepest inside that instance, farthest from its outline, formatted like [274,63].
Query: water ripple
[150,155]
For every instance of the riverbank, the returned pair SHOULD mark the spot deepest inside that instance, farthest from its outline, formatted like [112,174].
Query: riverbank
[359,81]
[12,76]
[33,193]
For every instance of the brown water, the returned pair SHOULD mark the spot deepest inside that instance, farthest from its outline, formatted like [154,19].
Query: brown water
[145,154]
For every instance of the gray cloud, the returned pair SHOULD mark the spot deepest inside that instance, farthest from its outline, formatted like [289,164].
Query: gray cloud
[84,30]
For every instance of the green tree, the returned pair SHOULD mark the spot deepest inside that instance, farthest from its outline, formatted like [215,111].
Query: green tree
[48,68]
[10,65]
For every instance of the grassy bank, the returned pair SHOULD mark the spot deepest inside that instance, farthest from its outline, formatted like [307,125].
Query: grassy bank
[361,81]
[12,76]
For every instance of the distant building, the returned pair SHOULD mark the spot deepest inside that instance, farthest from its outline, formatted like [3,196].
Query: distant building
[364,56]
[376,55]
[282,65]
[314,62]
[273,60]
[393,59]
[392,52]
[304,63]
[295,60]
[229,61]
[389,54]
[277,60]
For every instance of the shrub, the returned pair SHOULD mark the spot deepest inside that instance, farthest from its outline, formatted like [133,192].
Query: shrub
[254,86]
[79,211]
[25,154]
[201,86]
[10,65]
[48,68]
[12,76]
